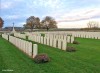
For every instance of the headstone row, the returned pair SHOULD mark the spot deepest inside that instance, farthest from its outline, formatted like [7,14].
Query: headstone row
[92,35]
[57,43]
[81,34]
[5,36]
[20,35]
[69,38]
[26,46]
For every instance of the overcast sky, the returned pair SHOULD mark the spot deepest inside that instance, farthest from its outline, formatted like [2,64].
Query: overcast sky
[68,13]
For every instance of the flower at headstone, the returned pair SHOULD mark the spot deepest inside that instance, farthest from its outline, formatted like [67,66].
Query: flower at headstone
[41,58]
[71,49]
[75,42]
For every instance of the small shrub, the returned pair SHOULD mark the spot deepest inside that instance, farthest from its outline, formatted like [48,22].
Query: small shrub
[71,49]
[75,42]
[22,33]
[12,34]
[42,34]
[27,37]
[41,58]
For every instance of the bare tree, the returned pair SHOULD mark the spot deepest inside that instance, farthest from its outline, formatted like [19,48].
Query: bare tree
[32,22]
[49,22]
[93,24]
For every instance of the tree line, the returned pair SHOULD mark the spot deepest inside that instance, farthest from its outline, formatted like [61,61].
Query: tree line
[34,23]
[93,24]
[1,22]
[48,22]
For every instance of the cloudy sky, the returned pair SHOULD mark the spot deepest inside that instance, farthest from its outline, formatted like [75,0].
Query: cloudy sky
[68,13]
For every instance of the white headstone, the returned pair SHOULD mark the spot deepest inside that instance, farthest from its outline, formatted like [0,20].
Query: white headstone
[59,43]
[68,39]
[64,44]
[41,40]
[51,42]
[54,43]
[30,49]
[72,39]
[44,40]
[35,50]
[48,41]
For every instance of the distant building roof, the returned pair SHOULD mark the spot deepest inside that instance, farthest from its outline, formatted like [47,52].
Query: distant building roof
[11,28]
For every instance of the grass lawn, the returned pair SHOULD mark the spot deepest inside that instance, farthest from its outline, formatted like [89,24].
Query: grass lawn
[85,60]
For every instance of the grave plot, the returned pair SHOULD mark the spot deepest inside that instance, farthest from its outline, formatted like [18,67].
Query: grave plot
[86,59]
[20,35]
[54,40]
[81,34]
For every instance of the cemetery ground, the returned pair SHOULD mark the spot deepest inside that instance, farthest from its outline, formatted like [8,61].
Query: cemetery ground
[85,60]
